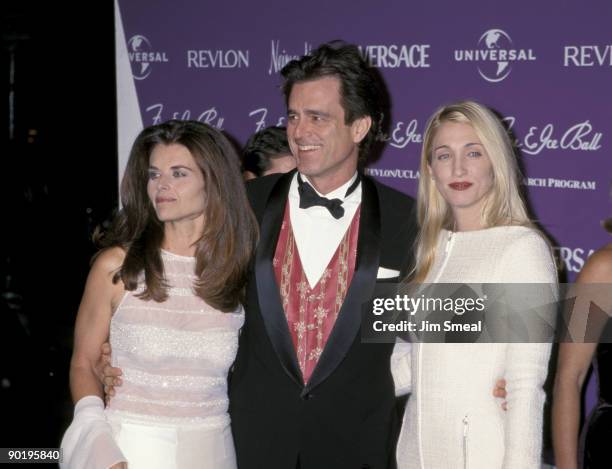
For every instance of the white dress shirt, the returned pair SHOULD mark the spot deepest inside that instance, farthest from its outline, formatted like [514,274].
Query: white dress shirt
[317,233]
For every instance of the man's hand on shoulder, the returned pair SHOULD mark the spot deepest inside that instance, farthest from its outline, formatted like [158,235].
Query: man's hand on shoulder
[500,392]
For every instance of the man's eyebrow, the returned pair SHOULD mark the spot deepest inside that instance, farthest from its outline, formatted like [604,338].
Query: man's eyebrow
[314,112]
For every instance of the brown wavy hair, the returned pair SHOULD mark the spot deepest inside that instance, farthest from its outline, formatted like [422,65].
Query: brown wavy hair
[224,249]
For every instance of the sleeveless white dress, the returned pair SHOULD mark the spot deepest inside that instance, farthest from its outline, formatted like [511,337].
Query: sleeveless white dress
[171,411]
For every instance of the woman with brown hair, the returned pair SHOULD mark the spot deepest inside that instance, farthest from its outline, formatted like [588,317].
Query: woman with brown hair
[167,288]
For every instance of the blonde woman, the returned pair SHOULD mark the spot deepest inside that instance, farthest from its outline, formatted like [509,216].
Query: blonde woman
[474,228]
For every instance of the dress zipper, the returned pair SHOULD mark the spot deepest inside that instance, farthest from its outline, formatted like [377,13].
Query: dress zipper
[466,427]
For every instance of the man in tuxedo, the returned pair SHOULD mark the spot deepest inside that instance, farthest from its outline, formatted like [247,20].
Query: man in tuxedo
[305,391]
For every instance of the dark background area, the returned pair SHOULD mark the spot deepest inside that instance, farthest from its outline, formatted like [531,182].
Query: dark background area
[59,180]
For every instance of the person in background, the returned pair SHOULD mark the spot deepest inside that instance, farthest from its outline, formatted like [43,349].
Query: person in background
[474,229]
[572,367]
[267,152]
[167,288]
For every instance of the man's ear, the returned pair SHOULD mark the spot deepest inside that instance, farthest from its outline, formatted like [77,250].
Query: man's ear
[360,128]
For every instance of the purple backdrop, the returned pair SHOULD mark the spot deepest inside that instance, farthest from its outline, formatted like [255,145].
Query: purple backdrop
[546,66]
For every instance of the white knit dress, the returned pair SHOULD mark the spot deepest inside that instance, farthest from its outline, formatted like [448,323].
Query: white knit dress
[452,419]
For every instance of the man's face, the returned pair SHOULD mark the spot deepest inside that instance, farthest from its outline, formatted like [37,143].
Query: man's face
[325,148]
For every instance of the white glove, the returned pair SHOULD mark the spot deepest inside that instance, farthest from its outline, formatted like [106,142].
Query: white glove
[88,442]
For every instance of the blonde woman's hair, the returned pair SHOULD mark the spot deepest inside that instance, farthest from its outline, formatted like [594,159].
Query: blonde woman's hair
[503,204]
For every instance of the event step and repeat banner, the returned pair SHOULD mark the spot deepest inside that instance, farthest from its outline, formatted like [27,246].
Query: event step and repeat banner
[545,66]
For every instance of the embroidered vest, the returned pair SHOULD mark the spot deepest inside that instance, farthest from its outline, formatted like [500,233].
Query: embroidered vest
[311,312]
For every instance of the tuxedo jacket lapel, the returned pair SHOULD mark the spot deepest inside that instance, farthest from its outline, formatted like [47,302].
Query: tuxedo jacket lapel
[270,302]
[362,285]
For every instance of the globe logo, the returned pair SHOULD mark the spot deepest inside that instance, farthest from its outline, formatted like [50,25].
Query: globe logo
[138,46]
[496,66]
[495,55]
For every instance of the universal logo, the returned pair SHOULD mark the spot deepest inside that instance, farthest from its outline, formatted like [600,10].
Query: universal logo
[495,55]
[142,57]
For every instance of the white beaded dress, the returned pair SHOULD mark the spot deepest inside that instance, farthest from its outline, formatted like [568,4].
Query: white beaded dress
[171,411]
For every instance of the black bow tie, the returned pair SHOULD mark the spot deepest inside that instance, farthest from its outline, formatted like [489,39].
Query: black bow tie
[310,198]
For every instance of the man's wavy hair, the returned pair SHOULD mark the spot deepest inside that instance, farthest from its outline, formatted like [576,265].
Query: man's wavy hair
[361,92]
[224,249]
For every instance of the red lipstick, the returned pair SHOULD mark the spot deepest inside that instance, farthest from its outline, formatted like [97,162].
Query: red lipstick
[460,186]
